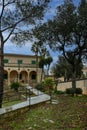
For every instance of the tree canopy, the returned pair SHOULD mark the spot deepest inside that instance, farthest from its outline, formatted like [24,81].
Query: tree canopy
[67,33]
[63,69]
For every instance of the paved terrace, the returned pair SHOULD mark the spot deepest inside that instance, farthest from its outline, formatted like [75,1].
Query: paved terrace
[39,98]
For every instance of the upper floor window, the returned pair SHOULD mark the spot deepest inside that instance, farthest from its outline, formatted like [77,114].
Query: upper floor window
[33,62]
[5,60]
[19,61]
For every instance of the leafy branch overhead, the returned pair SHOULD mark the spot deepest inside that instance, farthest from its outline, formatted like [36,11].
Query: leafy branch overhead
[17,14]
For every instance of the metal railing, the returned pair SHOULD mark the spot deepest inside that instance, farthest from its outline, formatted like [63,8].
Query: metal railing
[10,97]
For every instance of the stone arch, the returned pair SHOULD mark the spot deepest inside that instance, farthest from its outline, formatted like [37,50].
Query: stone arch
[13,76]
[5,74]
[23,76]
[32,78]
[33,75]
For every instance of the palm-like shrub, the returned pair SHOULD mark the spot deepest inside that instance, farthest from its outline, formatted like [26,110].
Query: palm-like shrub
[48,83]
[15,86]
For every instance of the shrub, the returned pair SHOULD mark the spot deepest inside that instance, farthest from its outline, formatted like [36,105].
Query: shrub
[40,86]
[78,91]
[69,91]
[59,92]
[15,86]
[48,83]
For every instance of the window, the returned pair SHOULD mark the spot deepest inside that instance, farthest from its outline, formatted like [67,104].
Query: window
[19,61]
[5,60]
[33,62]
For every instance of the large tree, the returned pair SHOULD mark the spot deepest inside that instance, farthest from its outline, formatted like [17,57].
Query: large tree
[67,33]
[14,15]
[63,69]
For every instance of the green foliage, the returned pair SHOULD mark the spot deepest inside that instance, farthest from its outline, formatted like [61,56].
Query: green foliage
[48,83]
[63,68]
[48,62]
[42,62]
[40,86]
[67,33]
[15,86]
[58,92]
[69,91]
[49,59]
[78,91]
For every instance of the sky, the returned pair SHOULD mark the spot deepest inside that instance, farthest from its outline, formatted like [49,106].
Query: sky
[26,49]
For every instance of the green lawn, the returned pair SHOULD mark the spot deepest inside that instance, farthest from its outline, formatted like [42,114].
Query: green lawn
[69,114]
[11,103]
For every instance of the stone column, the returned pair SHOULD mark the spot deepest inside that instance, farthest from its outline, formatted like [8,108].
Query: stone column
[18,76]
[28,76]
[8,76]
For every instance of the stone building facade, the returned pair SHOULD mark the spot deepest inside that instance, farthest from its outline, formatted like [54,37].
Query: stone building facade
[85,71]
[21,68]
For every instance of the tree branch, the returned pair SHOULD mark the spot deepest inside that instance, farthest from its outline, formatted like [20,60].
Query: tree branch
[9,3]
[9,35]
[12,26]
[2,10]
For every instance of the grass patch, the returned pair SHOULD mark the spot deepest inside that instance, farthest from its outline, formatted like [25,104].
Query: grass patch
[11,103]
[69,114]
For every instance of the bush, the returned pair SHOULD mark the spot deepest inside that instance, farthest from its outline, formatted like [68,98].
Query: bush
[40,86]
[78,91]
[69,91]
[58,92]
[15,86]
[48,83]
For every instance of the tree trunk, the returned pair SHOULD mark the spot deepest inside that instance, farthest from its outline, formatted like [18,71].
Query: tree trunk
[37,67]
[73,83]
[42,74]
[48,69]
[1,69]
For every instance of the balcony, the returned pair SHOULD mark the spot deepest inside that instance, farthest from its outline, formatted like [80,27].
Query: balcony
[24,65]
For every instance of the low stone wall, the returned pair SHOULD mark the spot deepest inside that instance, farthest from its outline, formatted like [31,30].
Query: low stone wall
[79,84]
[14,114]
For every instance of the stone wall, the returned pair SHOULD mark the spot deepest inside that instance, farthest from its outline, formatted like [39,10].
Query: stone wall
[79,84]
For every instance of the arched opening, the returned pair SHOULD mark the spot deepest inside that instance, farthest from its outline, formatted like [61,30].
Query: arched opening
[23,76]
[14,76]
[32,78]
[5,75]
[33,75]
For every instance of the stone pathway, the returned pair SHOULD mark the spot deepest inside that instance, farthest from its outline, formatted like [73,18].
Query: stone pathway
[39,98]
[35,91]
